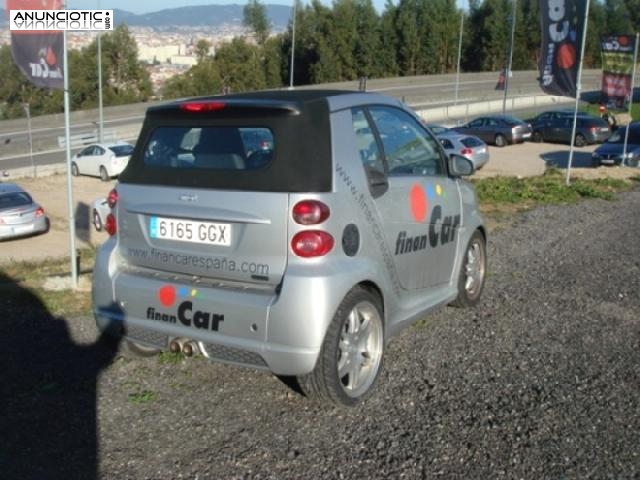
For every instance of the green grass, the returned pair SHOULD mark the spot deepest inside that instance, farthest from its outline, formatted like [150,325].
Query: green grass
[170,357]
[549,188]
[145,396]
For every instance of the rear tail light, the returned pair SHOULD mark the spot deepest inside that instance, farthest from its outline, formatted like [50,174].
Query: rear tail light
[466,151]
[112,198]
[40,212]
[310,212]
[312,243]
[593,129]
[110,224]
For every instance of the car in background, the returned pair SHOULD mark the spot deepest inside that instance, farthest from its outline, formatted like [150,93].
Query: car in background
[102,160]
[498,130]
[20,215]
[467,146]
[99,213]
[557,126]
[437,129]
[612,152]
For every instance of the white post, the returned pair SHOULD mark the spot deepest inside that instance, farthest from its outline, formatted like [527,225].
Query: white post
[67,132]
[459,55]
[578,90]
[633,76]
[293,45]
[27,111]
[508,72]
[100,115]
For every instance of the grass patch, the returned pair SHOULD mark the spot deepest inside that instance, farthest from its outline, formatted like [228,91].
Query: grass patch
[171,358]
[145,396]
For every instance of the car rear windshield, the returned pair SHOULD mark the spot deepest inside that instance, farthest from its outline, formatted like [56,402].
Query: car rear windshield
[15,199]
[247,145]
[471,142]
[122,150]
[211,148]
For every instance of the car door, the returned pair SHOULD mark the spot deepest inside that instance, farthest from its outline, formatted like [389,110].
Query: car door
[478,127]
[98,159]
[420,211]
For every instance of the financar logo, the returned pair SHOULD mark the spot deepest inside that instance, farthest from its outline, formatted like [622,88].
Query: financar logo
[168,296]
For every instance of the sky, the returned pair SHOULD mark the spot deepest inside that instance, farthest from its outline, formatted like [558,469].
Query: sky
[144,6]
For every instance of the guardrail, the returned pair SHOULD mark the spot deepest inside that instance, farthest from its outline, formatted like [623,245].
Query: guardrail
[87,138]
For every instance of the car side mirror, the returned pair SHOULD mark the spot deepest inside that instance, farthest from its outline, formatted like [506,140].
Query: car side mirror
[460,166]
[378,183]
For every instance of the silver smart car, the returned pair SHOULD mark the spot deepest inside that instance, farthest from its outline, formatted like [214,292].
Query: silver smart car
[291,231]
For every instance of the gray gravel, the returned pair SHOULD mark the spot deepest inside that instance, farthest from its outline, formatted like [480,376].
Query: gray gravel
[540,381]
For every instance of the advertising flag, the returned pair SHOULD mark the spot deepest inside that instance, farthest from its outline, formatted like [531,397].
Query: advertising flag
[38,53]
[617,69]
[563,23]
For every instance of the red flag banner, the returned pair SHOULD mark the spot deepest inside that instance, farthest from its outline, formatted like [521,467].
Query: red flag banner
[38,53]
[563,22]
[617,69]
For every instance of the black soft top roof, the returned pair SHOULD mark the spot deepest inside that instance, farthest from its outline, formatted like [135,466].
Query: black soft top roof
[298,119]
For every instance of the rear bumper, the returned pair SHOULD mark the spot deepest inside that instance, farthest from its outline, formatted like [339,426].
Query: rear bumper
[40,225]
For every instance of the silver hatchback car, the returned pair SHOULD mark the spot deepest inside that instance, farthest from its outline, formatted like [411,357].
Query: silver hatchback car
[302,254]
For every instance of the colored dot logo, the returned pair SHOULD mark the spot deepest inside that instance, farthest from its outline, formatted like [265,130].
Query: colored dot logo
[167,295]
[439,190]
[419,203]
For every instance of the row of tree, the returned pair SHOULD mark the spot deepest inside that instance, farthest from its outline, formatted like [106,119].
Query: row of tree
[343,42]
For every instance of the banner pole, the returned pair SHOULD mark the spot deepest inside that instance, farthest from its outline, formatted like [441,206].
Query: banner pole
[633,77]
[67,133]
[578,91]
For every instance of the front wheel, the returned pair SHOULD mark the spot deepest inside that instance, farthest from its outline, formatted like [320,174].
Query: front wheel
[473,272]
[97,221]
[351,355]
[74,169]
[500,140]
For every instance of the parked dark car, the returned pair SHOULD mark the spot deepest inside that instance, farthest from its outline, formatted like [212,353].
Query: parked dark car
[498,130]
[557,126]
[613,150]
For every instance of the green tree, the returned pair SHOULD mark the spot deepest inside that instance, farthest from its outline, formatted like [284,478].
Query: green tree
[202,49]
[255,18]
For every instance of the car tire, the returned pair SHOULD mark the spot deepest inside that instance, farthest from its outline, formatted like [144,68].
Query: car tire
[104,175]
[97,221]
[500,140]
[473,272]
[580,141]
[352,352]
[537,137]
[74,169]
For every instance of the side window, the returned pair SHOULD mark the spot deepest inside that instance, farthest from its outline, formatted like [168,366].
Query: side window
[446,143]
[476,123]
[366,141]
[408,148]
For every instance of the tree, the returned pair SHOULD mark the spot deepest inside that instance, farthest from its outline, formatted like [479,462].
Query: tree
[255,18]
[202,49]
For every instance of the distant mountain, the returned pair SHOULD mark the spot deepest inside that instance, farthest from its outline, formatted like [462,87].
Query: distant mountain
[195,16]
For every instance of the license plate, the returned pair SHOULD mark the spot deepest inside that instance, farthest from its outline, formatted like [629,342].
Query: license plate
[190,231]
[23,229]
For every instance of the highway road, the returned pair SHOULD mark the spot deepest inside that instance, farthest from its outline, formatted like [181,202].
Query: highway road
[124,121]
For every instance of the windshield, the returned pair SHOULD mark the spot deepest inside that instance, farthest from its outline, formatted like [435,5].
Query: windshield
[618,136]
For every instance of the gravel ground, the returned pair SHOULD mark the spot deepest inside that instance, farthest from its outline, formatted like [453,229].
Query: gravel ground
[539,381]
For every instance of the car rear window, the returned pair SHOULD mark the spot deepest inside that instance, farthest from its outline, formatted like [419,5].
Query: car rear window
[471,142]
[121,150]
[210,148]
[15,199]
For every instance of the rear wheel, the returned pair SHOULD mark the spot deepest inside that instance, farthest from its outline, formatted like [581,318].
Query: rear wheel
[473,272]
[74,169]
[537,137]
[580,140]
[352,352]
[500,140]
[104,175]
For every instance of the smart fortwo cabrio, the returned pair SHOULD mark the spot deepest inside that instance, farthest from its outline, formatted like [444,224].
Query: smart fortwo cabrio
[291,231]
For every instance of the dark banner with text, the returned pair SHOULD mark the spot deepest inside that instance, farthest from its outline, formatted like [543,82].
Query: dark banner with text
[38,53]
[617,69]
[563,23]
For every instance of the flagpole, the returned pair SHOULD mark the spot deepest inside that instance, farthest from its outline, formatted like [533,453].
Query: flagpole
[508,72]
[459,55]
[578,90]
[67,133]
[100,114]
[633,76]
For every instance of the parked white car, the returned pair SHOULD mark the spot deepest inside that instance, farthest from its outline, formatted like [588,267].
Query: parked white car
[102,160]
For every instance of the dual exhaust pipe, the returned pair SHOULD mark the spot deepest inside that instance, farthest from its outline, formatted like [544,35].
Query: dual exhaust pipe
[183,345]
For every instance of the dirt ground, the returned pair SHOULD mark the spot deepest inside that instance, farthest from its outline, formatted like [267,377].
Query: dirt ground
[50,191]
